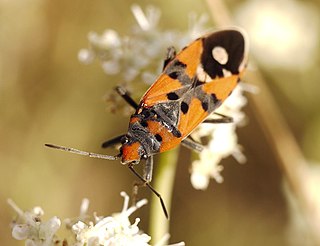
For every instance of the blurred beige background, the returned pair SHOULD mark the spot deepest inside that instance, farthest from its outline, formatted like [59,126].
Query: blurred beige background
[47,95]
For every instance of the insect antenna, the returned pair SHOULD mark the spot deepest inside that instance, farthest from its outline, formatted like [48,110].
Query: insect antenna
[85,153]
[152,189]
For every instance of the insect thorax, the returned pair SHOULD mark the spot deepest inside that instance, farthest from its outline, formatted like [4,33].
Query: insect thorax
[151,126]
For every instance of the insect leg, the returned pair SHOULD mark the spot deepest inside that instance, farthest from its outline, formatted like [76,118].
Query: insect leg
[171,54]
[145,183]
[125,95]
[112,142]
[147,176]
[191,144]
[223,119]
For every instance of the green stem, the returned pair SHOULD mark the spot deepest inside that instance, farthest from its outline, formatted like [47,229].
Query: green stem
[163,183]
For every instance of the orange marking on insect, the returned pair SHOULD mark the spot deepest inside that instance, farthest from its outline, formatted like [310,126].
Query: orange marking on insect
[168,140]
[192,118]
[130,152]
[157,92]
[192,57]
[221,87]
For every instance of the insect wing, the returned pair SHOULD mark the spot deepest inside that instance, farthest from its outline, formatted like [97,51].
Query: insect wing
[206,99]
[200,77]
[222,63]
[176,79]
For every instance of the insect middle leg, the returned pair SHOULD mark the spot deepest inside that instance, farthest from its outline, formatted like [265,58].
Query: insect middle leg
[191,144]
[223,119]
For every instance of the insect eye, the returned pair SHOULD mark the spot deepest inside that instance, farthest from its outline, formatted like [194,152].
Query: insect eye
[124,140]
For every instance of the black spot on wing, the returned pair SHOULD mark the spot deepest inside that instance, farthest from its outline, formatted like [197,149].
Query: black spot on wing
[172,96]
[158,137]
[176,70]
[215,101]
[184,107]
[178,63]
[214,98]
[174,75]
[234,44]
[205,106]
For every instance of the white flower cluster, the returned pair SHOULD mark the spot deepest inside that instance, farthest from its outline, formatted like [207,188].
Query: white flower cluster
[141,52]
[112,230]
[222,140]
[30,228]
[139,56]
[115,230]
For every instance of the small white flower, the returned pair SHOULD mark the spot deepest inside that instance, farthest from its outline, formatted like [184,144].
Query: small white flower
[86,56]
[29,227]
[147,21]
[205,168]
[108,40]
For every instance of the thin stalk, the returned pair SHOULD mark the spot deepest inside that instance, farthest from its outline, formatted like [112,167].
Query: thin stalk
[163,182]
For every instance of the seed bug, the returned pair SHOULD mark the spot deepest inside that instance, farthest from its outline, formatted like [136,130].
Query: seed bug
[193,84]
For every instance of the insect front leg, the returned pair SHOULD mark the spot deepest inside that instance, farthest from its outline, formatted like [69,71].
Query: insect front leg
[125,95]
[146,183]
[112,142]
[147,177]
[171,54]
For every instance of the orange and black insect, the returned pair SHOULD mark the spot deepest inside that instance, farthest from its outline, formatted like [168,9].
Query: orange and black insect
[193,84]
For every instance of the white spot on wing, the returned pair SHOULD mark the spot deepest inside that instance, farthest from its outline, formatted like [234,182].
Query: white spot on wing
[220,55]
[226,73]
[202,75]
